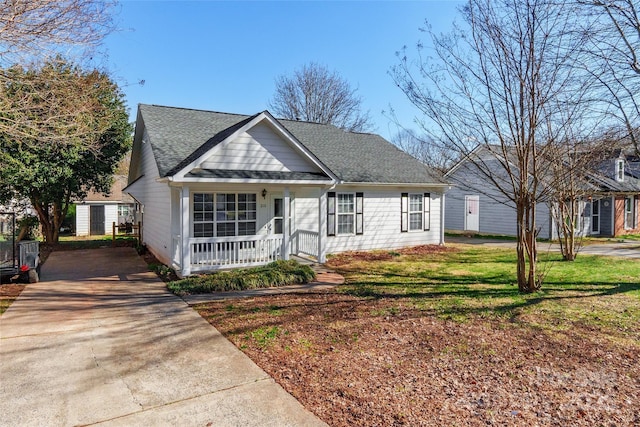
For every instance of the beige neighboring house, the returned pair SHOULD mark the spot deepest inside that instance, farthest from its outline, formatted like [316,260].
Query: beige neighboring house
[96,214]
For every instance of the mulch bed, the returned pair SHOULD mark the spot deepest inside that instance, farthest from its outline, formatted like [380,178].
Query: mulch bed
[372,362]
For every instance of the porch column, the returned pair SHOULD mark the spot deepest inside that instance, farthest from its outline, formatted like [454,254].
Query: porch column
[322,225]
[442,219]
[286,233]
[184,232]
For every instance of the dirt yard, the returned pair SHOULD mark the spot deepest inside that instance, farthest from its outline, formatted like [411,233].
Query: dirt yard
[373,362]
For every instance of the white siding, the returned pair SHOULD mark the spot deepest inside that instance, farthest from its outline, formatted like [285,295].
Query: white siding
[110,216]
[260,148]
[497,214]
[156,200]
[381,220]
[82,220]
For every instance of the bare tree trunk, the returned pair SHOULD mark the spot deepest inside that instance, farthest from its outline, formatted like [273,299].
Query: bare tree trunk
[50,230]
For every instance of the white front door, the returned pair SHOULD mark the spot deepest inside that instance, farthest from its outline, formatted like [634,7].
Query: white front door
[277,211]
[472,213]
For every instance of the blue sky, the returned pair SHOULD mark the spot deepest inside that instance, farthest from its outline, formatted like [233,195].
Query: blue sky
[225,56]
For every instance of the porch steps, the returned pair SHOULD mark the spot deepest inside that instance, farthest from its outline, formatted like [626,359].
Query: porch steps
[323,273]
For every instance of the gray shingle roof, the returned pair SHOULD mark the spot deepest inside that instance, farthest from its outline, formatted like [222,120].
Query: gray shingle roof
[179,135]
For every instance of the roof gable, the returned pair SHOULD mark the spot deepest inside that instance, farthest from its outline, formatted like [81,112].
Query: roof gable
[259,148]
[185,139]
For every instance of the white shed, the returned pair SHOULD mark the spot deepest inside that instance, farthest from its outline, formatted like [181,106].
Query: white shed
[96,214]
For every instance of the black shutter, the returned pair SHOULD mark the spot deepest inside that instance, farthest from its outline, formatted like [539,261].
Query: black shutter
[426,203]
[404,212]
[331,213]
[359,216]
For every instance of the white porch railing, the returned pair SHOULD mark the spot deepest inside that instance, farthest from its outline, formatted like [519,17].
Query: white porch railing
[306,242]
[230,252]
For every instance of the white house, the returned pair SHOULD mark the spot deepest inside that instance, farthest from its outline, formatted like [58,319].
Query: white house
[224,190]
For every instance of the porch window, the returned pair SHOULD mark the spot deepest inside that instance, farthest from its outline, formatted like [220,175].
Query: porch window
[231,214]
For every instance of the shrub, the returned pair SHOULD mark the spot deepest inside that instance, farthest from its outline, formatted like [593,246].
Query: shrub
[278,273]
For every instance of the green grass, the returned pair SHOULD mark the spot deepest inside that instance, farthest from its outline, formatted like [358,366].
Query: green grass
[602,292]
[4,305]
[264,336]
[92,242]
[278,273]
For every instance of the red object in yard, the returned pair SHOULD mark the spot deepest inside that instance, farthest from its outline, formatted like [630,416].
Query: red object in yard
[24,268]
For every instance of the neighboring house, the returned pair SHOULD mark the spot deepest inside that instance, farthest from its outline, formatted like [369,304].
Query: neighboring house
[609,208]
[96,214]
[223,190]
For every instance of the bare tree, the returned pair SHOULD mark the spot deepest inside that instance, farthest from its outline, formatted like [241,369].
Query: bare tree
[425,149]
[614,60]
[36,32]
[492,92]
[572,167]
[318,95]
[35,28]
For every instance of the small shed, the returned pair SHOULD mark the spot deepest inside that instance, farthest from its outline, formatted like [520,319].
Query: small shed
[96,214]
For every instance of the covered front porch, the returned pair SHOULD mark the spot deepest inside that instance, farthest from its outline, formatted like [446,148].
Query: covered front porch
[227,226]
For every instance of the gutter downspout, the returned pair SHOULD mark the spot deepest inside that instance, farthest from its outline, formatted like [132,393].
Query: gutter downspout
[442,219]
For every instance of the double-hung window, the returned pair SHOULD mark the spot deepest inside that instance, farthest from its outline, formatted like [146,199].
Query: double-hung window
[415,212]
[224,214]
[345,213]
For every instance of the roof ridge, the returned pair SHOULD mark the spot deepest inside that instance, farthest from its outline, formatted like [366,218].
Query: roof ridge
[280,119]
[196,109]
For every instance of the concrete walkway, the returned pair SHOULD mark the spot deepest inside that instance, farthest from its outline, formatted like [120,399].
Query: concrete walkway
[100,341]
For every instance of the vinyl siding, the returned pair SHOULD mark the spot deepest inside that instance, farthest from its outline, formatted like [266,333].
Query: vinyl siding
[258,149]
[155,198]
[110,216]
[82,220]
[381,216]
[497,214]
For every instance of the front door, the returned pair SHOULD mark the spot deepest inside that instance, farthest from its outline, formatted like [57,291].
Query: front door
[96,220]
[277,215]
[472,213]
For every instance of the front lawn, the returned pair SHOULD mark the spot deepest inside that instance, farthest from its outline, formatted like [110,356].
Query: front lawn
[442,337]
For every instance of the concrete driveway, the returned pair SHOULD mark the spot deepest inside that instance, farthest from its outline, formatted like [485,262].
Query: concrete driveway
[100,341]
[619,248]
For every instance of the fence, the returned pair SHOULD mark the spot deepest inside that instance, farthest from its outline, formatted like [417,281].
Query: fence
[134,230]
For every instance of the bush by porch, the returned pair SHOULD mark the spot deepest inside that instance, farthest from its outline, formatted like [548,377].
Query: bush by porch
[277,273]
